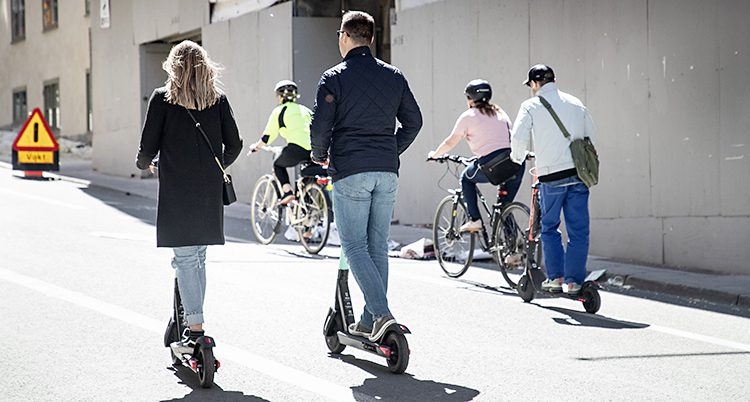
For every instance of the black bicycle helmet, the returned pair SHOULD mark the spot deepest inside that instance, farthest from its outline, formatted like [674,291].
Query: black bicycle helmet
[478,91]
[286,89]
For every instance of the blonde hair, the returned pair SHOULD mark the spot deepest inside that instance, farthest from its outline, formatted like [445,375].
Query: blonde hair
[193,78]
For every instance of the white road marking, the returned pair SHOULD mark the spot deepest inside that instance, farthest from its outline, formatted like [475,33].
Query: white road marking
[657,328]
[42,199]
[242,357]
[701,338]
[123,236]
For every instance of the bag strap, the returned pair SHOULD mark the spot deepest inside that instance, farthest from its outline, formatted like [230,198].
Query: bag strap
[555,117]
[205,137]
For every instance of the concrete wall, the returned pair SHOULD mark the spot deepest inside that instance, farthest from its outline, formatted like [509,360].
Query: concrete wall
[158,20]
[116,92]
[665,81]
[255,50]
[315,50]
[60,53]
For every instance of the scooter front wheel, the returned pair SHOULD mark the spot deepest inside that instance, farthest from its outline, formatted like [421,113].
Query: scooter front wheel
[206,367]
[399,357]
[334,345]
[525,289]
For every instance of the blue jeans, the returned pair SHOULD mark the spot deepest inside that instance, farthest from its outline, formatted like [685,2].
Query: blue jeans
[473,175]
[572,197]
[190,267]
[363,205]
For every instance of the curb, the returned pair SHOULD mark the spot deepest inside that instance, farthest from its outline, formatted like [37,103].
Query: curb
[704,294]
[238,210]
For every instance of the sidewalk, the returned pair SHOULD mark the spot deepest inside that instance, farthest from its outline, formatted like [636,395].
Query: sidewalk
[726,290]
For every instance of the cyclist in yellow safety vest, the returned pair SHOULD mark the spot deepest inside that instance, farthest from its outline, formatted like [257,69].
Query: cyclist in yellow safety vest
[292,121]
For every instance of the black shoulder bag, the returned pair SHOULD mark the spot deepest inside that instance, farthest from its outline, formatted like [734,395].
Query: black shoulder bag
[228,194]
[500,168]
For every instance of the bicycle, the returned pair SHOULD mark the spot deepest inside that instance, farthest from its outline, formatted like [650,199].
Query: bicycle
[309,214]
[455,249]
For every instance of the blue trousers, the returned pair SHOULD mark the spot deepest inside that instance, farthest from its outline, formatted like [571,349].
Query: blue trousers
[363,205]
[473,175]
[570,196]
[190,268]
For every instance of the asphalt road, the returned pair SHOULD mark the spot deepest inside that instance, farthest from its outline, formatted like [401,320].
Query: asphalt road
[86,296]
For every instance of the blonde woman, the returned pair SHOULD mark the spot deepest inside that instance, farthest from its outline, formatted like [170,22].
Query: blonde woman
[190,213]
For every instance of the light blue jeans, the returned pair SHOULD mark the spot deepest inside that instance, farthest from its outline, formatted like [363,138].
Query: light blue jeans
[363,205]
[190,267]
[572,197]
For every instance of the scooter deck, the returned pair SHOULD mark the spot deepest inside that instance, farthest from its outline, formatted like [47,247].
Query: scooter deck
[363,343]
[189,361]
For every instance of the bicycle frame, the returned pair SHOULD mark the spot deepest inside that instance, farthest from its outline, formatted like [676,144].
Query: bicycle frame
[535,226]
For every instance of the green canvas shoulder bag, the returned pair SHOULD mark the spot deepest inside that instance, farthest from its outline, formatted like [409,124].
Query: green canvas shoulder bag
[584,154]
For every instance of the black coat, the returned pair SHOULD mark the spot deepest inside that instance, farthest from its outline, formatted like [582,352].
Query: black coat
[190,207]
[354,120]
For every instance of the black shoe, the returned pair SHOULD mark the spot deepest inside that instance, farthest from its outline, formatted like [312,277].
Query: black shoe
[379,327]
[358,329]
[186,345]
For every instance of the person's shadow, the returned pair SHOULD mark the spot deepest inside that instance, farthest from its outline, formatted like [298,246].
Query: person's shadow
[592,320]
[215,393]
[394,387]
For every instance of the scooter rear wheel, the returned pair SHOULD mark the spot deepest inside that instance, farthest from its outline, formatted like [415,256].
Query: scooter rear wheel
[399,358]
[592,300]
[206,368]
[525,289]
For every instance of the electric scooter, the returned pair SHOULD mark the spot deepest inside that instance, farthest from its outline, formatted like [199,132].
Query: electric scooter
[201,360]
[392,346]
[531,281]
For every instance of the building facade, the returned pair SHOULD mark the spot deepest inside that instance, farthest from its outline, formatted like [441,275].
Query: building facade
[665,81]
[45,64]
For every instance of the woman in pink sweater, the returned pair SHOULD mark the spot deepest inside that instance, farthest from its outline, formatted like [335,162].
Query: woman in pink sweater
[486,129]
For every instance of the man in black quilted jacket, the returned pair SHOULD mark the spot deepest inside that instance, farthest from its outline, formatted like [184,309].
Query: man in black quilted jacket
[354,130]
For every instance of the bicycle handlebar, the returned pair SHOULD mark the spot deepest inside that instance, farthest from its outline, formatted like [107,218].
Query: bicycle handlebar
[453,158]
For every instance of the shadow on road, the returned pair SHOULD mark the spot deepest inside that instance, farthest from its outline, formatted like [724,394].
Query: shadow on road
[404,387]
[215,393]
[144,209]
[582,319]
[476,287]
[659,356]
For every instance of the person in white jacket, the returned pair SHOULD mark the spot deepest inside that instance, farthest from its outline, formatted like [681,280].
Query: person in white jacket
[560,188]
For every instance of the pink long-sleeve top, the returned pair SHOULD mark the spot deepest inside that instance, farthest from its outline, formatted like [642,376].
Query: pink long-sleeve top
[483,133]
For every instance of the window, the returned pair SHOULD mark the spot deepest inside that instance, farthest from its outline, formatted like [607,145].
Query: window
[87,5]
[49,14]
[52,104]
[20,109]
[17,20]
[89,109]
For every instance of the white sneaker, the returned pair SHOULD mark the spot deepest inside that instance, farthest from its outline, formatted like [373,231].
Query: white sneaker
[552,285]
[471,226]
[571,288]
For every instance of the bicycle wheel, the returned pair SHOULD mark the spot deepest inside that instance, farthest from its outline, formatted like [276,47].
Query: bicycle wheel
[509,237]
[266,213]
[315,224]
[453,249]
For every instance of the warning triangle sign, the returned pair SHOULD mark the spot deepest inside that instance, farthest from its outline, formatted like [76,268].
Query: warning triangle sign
[35,135]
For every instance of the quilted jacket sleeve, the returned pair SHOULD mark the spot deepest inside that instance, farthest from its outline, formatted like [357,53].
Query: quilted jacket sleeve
[324,113]
[410,118]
